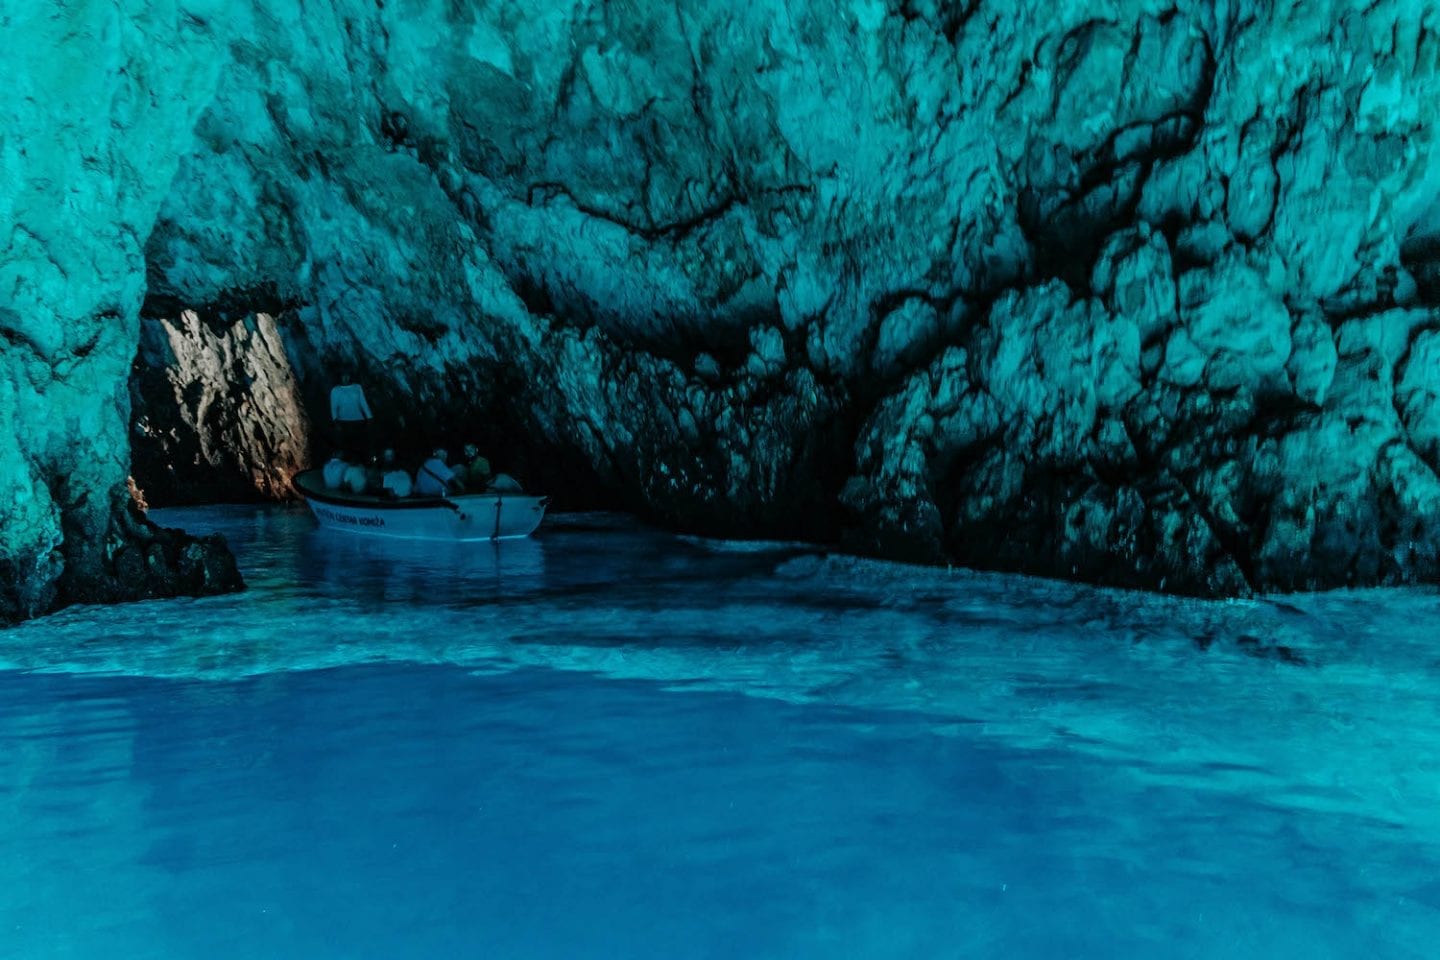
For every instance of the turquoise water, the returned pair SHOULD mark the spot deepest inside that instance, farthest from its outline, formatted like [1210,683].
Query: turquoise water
[609,742]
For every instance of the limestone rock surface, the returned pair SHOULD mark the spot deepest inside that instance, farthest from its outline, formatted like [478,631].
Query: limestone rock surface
[1135,291]
[217,413]
[100,107]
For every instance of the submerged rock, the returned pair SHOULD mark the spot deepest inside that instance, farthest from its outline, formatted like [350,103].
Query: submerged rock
[1134,292]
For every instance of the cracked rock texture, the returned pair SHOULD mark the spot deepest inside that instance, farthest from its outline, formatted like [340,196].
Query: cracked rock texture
[1135,291]
[97,114]
[217,413]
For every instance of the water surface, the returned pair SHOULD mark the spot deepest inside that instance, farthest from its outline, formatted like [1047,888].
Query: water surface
[610,742]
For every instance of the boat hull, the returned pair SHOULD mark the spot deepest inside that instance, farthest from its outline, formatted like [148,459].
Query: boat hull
[476,516]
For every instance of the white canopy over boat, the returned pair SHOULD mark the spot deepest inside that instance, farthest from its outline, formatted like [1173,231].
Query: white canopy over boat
[469,516]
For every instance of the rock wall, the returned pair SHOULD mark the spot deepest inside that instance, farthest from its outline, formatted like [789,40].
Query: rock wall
[1136,291]
[217,413]
[99,109]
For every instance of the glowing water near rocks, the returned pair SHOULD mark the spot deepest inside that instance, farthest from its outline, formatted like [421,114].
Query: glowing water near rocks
[608,742]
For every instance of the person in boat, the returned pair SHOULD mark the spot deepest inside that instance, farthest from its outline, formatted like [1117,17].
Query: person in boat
[396,484]
[350,415]
[474,470]
[436,478]
[333,473]
[374,477]
[357,478]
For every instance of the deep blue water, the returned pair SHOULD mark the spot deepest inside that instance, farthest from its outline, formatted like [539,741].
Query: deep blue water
[609,742]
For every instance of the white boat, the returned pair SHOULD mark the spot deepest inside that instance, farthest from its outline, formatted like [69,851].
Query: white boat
[467,516]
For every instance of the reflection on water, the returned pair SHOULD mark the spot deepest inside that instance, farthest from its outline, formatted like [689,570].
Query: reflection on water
[399,571]
[610,741]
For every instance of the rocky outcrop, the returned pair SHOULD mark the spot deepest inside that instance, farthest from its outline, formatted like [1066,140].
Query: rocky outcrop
[99,109]
[137,560]
[1137,292]
[216,410]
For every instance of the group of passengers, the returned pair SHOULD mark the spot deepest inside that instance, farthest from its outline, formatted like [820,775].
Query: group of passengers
[383,476]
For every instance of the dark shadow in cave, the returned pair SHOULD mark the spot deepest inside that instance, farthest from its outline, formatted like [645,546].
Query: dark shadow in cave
[229,401]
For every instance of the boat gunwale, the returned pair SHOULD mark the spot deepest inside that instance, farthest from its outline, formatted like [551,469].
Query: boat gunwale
[409,503]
